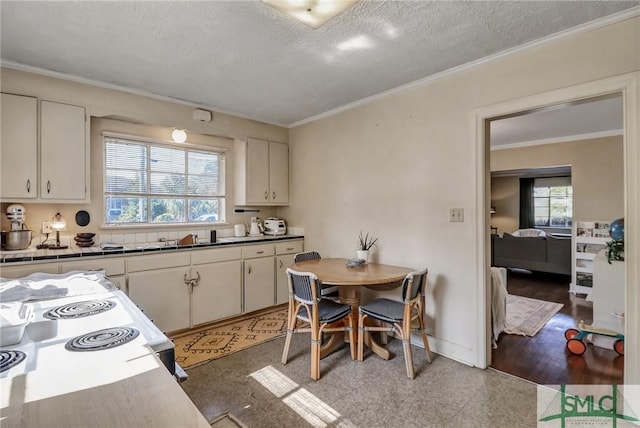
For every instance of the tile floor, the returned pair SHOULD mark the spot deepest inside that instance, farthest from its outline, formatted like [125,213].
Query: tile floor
[262,392]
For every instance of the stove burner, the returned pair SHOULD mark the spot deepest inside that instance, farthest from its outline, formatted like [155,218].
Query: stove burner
[10,359]
[102,339]
[79,309]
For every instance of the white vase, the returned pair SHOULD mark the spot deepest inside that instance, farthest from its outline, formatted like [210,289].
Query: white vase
[362,254]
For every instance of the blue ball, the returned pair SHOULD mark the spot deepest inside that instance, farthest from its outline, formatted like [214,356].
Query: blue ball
[616,229]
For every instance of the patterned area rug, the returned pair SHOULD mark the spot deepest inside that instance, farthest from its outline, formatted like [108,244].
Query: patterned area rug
[526,316]
[198,347]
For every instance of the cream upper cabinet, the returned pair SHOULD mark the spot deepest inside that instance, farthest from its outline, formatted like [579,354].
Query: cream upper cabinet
[19,147]
[279,173]
[53,168]
[63,152]
[261,172]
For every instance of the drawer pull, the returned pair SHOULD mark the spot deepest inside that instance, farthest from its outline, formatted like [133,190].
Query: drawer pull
[266,195]
[28,185]
[280,264]
[259,252]
[289,248]
[274,196]
[48,186]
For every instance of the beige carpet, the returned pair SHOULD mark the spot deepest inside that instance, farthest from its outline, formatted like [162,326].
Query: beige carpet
[198,347]
[526,316]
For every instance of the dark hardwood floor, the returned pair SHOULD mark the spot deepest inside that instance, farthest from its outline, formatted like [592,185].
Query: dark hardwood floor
[543,358]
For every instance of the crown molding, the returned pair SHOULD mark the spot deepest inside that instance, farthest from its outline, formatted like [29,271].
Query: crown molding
[104,85]
[590,136]
[583,28]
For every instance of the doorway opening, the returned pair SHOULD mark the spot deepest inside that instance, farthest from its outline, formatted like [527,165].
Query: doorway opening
[542,142]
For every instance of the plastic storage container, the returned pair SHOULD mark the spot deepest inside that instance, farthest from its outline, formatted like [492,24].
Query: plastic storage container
[14,318]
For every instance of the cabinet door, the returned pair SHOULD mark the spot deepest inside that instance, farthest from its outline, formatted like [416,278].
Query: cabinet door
[63,152]
[218,293]
[257,171]
[259,287]
[282,288]
[120,281]
[111,266]
[279,173]
[19,147]
[163,296]
[24,270]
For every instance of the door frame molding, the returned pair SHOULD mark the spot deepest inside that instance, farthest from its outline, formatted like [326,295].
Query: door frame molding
[629,86]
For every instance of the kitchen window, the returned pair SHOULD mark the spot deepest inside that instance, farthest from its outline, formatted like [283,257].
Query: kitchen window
[553,202]
[153,183]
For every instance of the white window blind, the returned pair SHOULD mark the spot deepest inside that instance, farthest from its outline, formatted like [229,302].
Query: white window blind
[154,183]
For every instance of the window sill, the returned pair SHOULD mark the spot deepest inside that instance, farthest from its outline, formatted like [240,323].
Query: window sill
[145,226]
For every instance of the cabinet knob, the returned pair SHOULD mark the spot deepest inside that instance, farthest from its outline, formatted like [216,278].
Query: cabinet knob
[28,185]
[249,269]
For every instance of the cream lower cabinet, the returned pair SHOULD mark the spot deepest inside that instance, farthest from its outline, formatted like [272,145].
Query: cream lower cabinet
[285,252]
[157,285]
[218,293]
[24,270]
[259,276]
[113,268]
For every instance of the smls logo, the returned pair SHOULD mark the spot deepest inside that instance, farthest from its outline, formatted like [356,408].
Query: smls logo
[585,405]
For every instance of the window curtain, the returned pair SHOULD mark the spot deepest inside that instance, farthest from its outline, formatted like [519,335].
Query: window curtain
[527,214]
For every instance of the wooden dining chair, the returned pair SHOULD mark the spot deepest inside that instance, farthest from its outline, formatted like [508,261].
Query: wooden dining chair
[327,291]
[306,304]
[398,317]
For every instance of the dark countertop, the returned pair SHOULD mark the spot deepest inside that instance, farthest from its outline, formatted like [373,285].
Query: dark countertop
[35,255]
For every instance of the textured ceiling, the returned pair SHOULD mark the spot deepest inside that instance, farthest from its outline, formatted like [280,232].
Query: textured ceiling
[248,59]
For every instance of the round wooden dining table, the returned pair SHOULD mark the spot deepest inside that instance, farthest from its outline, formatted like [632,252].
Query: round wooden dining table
[350,280]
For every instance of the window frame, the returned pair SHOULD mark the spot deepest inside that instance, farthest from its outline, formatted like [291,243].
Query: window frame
[548,183]
[148,195]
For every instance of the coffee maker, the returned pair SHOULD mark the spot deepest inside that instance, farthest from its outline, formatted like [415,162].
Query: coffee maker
[256,228]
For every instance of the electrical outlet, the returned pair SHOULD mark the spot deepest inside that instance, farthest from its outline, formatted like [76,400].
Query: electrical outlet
[456,214]
[46,227]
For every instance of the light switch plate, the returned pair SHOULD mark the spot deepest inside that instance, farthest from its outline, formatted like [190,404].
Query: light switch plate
[456,214]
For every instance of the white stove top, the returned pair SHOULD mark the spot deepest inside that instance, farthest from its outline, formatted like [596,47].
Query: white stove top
[50,368]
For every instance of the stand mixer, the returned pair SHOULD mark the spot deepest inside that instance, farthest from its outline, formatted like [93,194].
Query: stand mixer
[19,237]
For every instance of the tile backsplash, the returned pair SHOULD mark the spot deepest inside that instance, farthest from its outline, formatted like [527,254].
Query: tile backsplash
[139,237]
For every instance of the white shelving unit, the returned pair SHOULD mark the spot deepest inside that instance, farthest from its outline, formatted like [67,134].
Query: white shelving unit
[589,237]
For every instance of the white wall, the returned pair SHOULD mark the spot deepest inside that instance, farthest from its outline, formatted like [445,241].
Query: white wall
[394,167]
